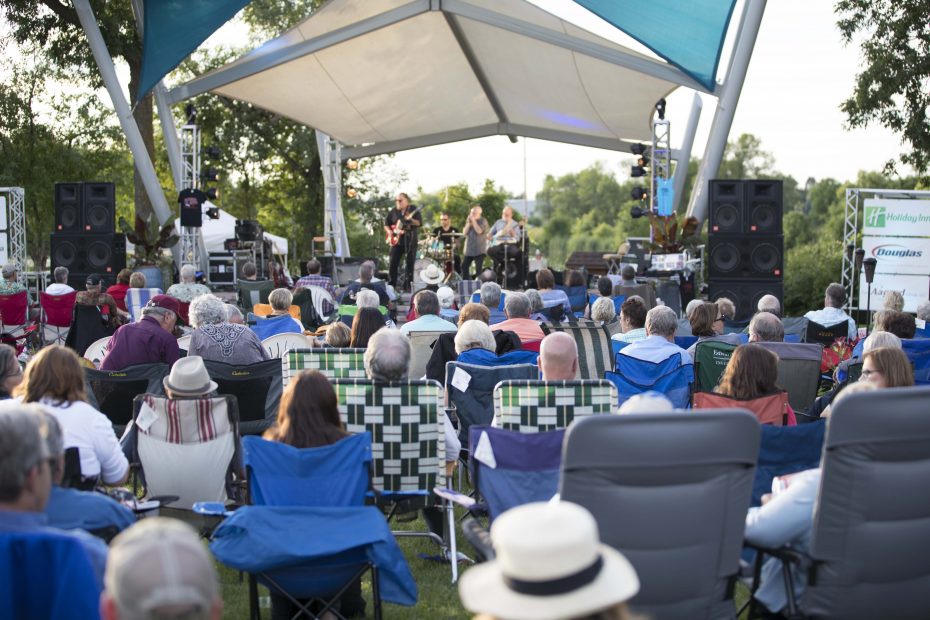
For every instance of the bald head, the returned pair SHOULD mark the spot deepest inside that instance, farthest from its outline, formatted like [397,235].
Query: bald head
[558,357]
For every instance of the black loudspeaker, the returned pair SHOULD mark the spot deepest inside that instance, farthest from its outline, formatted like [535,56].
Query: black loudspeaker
[84,254]
[745,294]
[726,207]
[739,256]
[764,207]
[99,207]
[68,215]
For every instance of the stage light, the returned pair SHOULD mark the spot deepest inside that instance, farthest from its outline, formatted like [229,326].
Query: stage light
[190,113]
[211,152]
[643,161]
[351,193]
[213,213]
[638,212]
[351,164]
[212,193]
[637,171]
[210,174]
[638,149]
[660,108]
[639,193]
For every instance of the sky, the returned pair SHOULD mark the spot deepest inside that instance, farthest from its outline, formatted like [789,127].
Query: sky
[799,74]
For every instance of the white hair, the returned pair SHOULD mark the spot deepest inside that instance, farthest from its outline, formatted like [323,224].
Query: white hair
[880,339]
[367,298]
[474,335]
[603,310]
[647,402]
[207,309]
[694,303]
[280,299]
[188,273]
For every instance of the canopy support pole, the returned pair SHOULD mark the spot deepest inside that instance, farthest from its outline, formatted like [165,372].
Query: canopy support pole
[684,154]
[133,137]
[334,226]
[726,106]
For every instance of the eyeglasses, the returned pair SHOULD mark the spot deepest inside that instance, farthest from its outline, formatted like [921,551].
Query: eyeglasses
[868,373]
[719,318]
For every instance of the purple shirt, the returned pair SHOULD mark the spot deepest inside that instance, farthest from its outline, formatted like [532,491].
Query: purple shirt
[144,342]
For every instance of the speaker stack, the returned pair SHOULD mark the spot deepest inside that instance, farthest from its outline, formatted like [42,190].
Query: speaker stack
[85,239]
[745,246]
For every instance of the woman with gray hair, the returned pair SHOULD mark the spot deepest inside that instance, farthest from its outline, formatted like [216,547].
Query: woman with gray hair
[215,338]
[280,320]
[187,288]
[603,310]
[475,344]
[536,305]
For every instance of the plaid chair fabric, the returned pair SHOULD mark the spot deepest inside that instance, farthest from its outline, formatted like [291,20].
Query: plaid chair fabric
[464,289]
[595,355]
[540,406]
[188,420]
[405,419]
[334,363]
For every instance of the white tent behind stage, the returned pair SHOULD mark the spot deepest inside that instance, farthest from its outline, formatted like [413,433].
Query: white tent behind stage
[215,232]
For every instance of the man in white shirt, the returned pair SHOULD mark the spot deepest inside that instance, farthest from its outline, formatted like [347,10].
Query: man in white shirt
[832,313]
[60,287]
[632,320]
[659,345]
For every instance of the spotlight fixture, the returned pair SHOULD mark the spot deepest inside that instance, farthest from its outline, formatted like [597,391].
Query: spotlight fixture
[211,152]
[213,213]
[190,114]
[212,193]
[351,164]
[643,161]
[639,193]
[637,171]
[660,108]
[638,212]
[210,174]
[638,149]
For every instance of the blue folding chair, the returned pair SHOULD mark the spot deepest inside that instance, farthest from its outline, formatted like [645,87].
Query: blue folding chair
[617,299]
[309,535]
[577,297]
[634,376]
[918,352]
[786,450]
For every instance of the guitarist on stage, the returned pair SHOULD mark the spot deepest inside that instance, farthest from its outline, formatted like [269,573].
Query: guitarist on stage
[401,226]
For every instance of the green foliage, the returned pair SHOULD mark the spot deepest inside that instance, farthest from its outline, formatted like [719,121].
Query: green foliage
[891,88]
[809,268]
[149,238]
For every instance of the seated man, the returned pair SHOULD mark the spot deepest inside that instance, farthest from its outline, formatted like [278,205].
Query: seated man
[832,313]
[490,296]
[60,286]
[426,307]
[249,272]
[632,320]
[659,344]
[159,568]
[517,309]
[148,340]
[558,357]
[188,288]
[769,303]
[505,236]
[10,285]
[766,327]
[26,479]
[71,509]
[280,320]
[95,296]
[315,277]
[366,280]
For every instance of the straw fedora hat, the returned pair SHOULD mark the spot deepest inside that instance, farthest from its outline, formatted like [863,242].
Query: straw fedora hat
[189,377]
[432,274]
[550,565]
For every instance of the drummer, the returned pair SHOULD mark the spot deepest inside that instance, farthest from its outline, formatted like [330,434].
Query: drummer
[446,235]
[505,233]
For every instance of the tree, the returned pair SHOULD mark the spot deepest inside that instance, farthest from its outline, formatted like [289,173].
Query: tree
[892,88]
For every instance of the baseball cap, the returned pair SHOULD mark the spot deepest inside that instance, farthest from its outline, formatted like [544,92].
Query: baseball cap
[165,301]
[94,279]
[9,269]
[160,563]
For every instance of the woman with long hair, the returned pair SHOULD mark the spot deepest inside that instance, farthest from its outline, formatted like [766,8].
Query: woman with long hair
[751,374]
[11,373]
[887,367]
[365,323]
[55,378]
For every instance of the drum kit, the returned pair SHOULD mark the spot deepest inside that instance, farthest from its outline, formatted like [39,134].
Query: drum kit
[433,251]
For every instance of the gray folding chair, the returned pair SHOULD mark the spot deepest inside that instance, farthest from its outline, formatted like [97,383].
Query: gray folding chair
[421,347]
[798,370]
[671,492]
[257,387]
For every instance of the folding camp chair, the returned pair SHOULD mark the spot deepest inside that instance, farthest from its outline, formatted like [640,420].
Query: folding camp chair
[577,297]
[710,361]
[266,309]
[470,389]
[595,355]
[618,301]
[136,298]
[634,376]
[786,450]
[112,392]
[184,343]
[817,333]
[771,409]
[45,575]
[798,370]
[307,480]
[257,388]
[14,313]
[324,304]
[406,420]
[278,345]
[795,327]
[539,406]
[464,290]
[55,317]
[869,540]
[175,438]
[334,363]
[671,493]
[87,327]
[253,292]
[645,291]
[421,347]
[97,350]
[918,352]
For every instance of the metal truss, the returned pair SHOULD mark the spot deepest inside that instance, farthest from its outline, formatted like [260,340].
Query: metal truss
[16,233]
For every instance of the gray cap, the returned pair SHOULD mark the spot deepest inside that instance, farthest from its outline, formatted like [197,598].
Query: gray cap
[10,269]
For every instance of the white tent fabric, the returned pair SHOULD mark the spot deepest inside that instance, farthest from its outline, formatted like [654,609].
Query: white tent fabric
[388,75]
[215,232]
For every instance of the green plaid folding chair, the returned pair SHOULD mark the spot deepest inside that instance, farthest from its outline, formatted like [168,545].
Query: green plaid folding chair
[539,406]
[406,420]
[334,363]
[595,355]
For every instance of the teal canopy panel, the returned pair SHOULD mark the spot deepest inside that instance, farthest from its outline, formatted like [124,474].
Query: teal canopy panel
[687,34]
[175,28]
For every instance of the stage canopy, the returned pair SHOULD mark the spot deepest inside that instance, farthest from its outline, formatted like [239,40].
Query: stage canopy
[388,75]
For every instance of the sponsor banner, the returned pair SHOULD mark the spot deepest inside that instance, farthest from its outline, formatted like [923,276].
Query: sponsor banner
[909,255]
[914,288]
[905,218]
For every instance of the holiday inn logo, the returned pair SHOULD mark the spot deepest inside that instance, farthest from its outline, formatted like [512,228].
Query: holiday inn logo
[875,217]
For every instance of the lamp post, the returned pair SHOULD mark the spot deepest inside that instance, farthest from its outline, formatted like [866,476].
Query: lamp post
[857,265]
[869,265]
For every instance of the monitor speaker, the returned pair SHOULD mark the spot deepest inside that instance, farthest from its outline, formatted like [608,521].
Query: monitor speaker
[84,254]
[740,256]
[745,294]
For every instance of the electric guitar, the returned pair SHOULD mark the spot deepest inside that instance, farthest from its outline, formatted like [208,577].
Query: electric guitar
[393,237]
